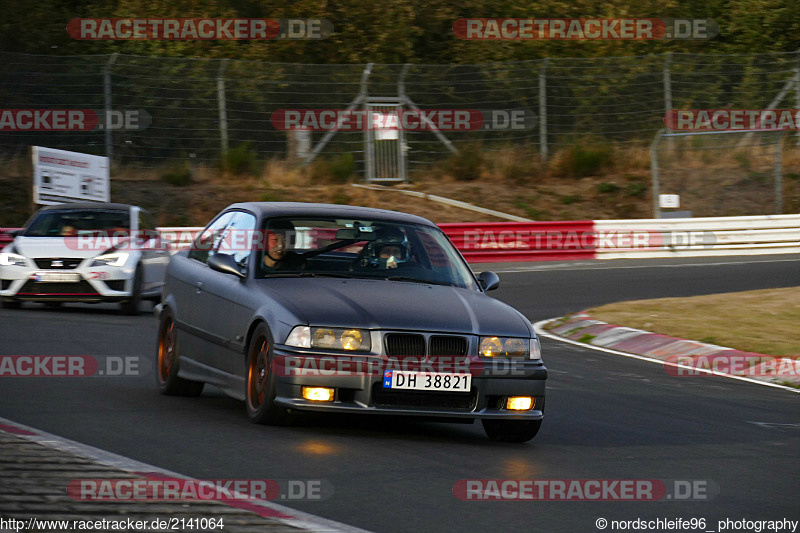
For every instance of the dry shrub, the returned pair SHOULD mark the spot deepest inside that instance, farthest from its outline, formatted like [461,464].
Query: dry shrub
[278,173]
[517,164]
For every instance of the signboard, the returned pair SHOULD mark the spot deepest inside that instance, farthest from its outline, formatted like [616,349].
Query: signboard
[386,126]
[60,177]
[669,201]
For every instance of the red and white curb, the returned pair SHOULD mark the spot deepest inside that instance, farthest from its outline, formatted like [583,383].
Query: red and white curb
[678,356]
[266,509]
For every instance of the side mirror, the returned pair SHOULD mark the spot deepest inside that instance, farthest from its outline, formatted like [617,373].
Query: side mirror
[489,280]
[226,264]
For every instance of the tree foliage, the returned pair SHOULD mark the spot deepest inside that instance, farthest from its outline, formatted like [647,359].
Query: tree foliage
[400,31]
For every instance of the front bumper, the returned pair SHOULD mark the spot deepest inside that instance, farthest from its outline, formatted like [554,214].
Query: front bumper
[86,284]
[362,391]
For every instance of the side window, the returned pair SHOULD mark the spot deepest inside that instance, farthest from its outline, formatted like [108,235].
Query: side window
[239,237]
[146,222]
[209,239]
[147,226]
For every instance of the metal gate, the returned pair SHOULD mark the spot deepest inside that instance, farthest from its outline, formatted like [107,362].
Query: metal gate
[384,141]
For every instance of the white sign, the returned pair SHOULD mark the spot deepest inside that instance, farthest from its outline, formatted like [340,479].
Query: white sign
[386,126]
[60,177]
[669,201]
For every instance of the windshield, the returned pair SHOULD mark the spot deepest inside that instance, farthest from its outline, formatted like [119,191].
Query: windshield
[74,222]
[360,249]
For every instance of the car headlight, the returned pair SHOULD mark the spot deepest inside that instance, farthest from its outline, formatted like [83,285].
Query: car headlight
[9,259]
[300,337]
[536,349]
[347,339]
[505,346]
[115,259]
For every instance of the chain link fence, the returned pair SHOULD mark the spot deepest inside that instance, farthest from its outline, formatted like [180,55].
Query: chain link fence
[200,108]
[730,173]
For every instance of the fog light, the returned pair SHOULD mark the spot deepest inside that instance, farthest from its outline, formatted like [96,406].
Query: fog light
[519,403]
[318,394]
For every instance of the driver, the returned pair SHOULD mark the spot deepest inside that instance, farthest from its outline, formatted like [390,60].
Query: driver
[68,231]
[276,256]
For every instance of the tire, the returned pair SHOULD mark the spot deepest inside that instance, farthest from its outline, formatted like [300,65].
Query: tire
[511,430]
[260,382]
[130,306]
[168,362]
[10,304]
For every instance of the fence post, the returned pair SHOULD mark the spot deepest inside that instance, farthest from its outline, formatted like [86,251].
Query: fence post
[543,111]
[107,102]
[369,150]
[654,173]
[779,174]
[797,88]
[667,75]
[403,147]
[223,114]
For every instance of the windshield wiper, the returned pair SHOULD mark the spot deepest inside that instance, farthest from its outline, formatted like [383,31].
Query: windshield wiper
[417,280]
[306,275]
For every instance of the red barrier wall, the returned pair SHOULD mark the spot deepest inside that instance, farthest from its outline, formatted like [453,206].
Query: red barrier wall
[5,238]
[491,242]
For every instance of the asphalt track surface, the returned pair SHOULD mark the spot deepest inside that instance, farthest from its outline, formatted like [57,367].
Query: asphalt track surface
[608,417]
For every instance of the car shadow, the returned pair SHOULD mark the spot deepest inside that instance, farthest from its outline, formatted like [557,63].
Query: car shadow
[146,308]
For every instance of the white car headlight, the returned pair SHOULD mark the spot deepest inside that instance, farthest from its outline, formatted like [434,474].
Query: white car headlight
[115,259]
[300,337]
[9,259]
[536,349]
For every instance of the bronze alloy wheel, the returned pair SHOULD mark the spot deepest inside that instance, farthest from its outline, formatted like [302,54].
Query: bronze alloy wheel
[261,385]
[166,350]
[258,373]
[167,362]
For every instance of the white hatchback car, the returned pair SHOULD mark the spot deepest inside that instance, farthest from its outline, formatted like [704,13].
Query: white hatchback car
[85,252]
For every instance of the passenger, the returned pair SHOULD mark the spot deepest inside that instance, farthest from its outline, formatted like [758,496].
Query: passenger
[389,250]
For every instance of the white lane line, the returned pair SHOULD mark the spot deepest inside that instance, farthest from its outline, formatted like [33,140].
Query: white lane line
[295,518]
[775,425]
[620,267]
[539,328]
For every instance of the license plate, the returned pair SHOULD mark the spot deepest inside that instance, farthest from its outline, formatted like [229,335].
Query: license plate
[56,277]
[432,381]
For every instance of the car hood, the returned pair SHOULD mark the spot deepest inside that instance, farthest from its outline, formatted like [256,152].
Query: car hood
[57,247]
[382,304]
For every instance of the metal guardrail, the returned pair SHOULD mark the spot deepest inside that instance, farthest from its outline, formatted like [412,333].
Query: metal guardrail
[696,237]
